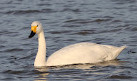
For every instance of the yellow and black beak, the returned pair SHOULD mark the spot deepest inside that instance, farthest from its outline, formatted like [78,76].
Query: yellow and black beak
[33,31]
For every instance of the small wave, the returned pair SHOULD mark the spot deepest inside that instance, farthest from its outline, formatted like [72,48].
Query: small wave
[120,77]
[18,12]
[13,50]
[1,46]
[72,10]
[44,4]
[86,32]
[6,32]
[20,71]
[85,21]
[58,32]
[71,25]
[107,31]
[13,72]
[115,21]
[123,1]
[101,20]
[130,28]
[82,21]
[22,11]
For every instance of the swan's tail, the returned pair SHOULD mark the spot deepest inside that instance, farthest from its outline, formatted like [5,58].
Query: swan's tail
[118,51]
[123,47]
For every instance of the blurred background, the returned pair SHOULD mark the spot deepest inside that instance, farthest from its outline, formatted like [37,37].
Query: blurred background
[65,22]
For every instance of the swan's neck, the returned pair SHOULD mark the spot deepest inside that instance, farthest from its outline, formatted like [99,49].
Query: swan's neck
[40,59]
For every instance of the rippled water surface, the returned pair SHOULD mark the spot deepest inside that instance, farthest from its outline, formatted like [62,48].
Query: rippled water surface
[112,22]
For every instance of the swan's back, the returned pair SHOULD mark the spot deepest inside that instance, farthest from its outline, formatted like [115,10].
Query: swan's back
[83,53]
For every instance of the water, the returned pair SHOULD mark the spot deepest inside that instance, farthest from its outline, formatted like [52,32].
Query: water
[66,22]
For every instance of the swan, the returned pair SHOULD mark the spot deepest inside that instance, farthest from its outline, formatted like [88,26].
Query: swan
[79,53]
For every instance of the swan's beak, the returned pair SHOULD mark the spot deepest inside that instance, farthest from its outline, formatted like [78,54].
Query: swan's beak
[31,34]
[33,31]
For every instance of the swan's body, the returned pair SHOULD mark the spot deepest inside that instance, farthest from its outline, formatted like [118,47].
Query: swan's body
[84,52]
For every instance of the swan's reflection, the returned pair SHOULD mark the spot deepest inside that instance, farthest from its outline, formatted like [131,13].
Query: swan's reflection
[46,71]
[41,76]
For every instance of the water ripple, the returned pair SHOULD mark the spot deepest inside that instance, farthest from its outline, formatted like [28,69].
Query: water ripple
[13,50]
[21,12]
[119,77]
[110,22]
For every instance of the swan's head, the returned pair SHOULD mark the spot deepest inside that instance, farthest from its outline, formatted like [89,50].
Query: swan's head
[36,28]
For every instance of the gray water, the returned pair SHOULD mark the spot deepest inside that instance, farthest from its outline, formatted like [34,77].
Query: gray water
[65,22]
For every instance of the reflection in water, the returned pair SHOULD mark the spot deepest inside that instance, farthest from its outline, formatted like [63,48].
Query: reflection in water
[80,66]
[41,77]
[67,70]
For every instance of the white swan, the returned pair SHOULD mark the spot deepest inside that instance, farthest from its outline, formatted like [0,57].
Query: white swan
[84,52]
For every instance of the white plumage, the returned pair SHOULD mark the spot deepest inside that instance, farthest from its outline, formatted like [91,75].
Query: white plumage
[84,52]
